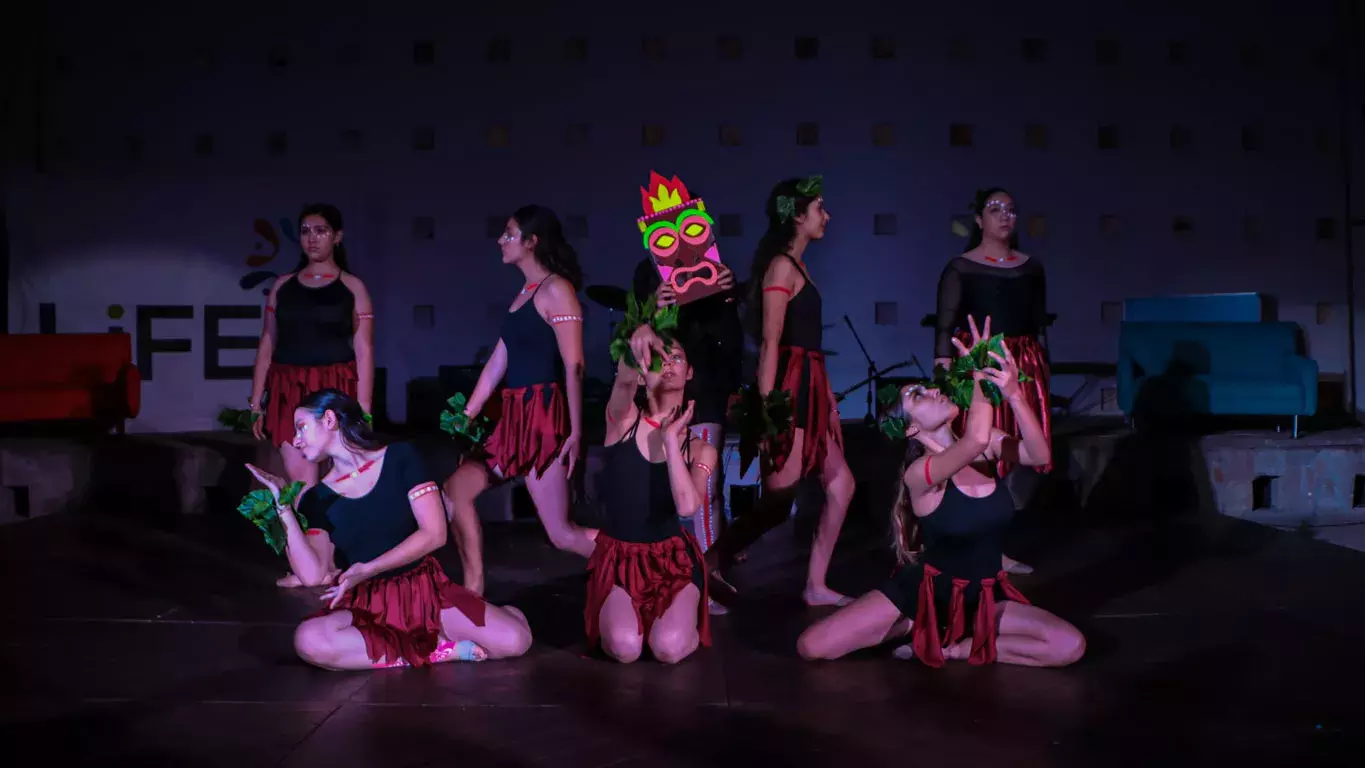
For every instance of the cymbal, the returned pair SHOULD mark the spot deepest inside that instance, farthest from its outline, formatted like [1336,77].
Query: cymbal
[608,296]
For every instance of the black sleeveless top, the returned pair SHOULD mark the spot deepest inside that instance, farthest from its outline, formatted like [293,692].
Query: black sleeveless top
[314,326]
[1015,298]
[365,528]
[964,537]
[638,501]
[532,349]
[801,326]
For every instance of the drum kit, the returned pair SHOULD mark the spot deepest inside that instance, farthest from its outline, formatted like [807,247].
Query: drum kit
[614,299]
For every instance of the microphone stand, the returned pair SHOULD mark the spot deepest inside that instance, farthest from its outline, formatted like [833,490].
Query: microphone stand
[871,418]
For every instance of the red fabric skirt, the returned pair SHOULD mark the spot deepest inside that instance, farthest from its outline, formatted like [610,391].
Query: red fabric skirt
[652,573]
[289,384]
[926,637]
[1032,360]
[532,425]
[400,616]
[804,377]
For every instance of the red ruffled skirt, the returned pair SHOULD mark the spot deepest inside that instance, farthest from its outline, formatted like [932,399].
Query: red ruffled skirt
[1032,360]
[929,638]
[289,384]
[532,425]
[400,616]
[802,374]
[652,573]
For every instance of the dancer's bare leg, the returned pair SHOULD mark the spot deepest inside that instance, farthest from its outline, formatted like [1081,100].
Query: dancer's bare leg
[870,620]
[838,482]
[1033,637]
[463,486]
[620,627]
[773,507]
[550,492]
[675,634]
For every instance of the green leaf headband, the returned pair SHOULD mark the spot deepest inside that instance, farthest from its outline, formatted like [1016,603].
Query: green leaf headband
[812,186]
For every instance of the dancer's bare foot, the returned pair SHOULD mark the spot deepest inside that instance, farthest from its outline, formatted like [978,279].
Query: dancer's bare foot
[714,608]
[1012,566]
[824,596]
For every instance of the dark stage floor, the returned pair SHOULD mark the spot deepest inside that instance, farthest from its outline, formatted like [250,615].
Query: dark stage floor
[128,644]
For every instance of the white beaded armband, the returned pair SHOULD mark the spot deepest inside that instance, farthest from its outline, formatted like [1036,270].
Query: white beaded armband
[364,316]
[422,490]
[557,319]
[703,466]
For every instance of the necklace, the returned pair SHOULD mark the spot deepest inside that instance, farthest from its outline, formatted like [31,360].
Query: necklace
[994,260]
[528,287]
[356,473]
[651,422]
[318,275]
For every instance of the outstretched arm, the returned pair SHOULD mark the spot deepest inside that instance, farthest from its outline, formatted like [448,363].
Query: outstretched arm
[565,315]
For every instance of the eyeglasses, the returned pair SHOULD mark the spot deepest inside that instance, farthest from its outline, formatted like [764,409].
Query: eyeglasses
[305,232]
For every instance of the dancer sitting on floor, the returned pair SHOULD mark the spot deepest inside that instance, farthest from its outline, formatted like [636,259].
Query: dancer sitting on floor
[949,489]
[377,520]
[646,580]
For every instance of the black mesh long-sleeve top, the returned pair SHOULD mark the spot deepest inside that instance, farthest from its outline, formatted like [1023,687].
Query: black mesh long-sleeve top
[1015,298]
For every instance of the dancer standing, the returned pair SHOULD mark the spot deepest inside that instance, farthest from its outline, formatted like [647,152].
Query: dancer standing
[376,521]
[536,369]
[791,359]
[953,598]
[318,333]
[647,581]
[993,278]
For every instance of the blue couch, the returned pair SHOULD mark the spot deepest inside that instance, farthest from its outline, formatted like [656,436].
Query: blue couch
[1227,368]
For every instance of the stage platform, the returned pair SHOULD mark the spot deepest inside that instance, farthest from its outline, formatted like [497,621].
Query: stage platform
[135,634]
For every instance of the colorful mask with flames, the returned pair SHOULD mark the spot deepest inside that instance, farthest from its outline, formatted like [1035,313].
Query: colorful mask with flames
[679,235]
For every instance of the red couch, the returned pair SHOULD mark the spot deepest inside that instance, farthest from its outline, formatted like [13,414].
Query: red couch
[69,376]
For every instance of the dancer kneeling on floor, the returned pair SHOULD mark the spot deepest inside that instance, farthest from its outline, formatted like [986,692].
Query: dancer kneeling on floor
[646,581]
[376,520]
[952,597]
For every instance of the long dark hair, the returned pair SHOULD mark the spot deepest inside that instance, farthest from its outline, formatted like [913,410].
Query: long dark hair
[350,417]
[776,240]
[979,209]
[332,216]
[905,532]
[552,251]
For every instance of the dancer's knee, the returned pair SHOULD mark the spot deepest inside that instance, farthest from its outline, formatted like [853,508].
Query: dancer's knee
[314,643]
[623,644]
[1066,646]
[672,646]
[812,644]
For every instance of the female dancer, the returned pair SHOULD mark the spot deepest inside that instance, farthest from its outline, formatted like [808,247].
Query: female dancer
[539,422]
[947,489]
[318,332]
[646,582]
[377,516]
[790,358]
[712,337]
[992,278]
